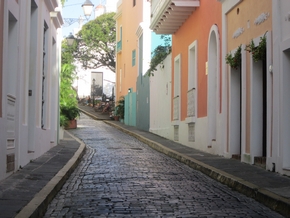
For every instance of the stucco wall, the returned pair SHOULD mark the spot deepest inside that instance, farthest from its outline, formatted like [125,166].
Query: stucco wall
[281,64]
[243,16]
[129,43]
[242,27]
[196,27]
[22,134]
[160,100]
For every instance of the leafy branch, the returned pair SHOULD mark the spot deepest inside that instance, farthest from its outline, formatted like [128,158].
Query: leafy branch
[159,54]
[258,52]
[234,60]
[96,43]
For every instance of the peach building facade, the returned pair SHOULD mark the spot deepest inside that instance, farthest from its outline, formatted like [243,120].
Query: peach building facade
[127,45]
[248,88]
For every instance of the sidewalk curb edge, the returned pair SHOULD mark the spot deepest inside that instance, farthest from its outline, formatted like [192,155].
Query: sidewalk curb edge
[38,205]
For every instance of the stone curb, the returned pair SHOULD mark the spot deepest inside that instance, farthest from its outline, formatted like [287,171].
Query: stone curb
[269,199]
[38,205]
[91,115]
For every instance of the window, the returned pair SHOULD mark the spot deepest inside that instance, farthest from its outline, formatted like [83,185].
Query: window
[44,65]
[121,33]
[192,65]
[192,69]
[133,57]
[177,66]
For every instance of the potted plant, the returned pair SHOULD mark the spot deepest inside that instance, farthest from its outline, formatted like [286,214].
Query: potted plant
[120,108]
[63,122]
[70,113]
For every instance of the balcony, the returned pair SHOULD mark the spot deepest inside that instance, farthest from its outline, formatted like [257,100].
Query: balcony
[119,46]
[167,16]
[191,103]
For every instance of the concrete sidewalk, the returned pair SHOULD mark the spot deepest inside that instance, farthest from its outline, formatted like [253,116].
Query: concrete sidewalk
[27,192]
[271,189]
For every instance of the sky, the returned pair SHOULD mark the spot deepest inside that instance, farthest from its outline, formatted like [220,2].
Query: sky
[73,9]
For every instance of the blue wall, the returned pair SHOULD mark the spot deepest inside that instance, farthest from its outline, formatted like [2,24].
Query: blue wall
[143,103]
[130,109]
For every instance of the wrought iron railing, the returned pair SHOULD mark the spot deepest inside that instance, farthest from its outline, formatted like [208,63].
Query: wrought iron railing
[191,103]
[176,108]
[119,46]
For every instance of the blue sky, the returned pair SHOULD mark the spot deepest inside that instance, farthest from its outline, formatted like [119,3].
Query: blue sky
[73,9]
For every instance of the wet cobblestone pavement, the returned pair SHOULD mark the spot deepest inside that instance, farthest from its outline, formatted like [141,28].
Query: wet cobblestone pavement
[122,177]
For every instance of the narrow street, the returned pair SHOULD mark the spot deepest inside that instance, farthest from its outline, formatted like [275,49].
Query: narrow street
[122,177]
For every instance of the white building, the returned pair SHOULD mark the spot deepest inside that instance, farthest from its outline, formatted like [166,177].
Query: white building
[280,157]
[30,42]
[83,83]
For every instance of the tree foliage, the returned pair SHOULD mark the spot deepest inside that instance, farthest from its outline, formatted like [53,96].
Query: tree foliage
[66,53]
[159,54]
[68,96]
[68,101]
[96,43]
[234,60]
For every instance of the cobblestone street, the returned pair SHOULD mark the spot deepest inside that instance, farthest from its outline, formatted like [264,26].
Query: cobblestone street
[122,177]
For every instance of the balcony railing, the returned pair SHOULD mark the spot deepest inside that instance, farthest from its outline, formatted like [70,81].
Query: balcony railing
[176,108]
[191,103]
[119,46]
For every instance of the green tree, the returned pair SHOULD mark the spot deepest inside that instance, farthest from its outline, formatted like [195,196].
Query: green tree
[159,54]
[96,43]
[68,101]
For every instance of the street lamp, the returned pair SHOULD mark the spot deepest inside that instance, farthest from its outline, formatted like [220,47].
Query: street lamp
[88,8]
[70,39]
[94,93]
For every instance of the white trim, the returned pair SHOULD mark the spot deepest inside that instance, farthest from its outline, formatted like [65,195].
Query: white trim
[228,5]
[177,86]
[191,47]
[177,58]
[180,3]
[193,68]
[213,95]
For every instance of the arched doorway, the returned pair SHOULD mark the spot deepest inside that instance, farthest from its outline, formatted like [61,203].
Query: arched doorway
[213,85]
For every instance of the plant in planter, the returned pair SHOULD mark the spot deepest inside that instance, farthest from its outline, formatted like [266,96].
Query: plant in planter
[120,108]
[63,121]
[234,60]
[258,52]
[71,113]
